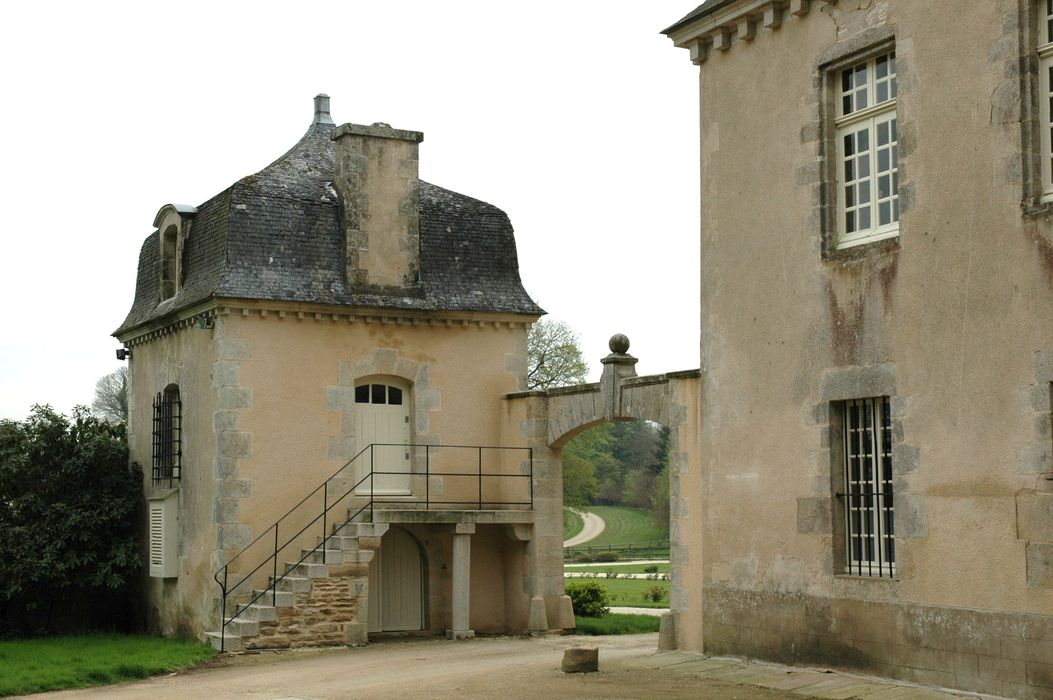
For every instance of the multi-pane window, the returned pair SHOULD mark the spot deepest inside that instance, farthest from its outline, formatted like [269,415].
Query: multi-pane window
[167,436]
[868,187]
[378,394]
[870,545]
[1045,101]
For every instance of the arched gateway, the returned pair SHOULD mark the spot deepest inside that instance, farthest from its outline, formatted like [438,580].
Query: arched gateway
[552,417]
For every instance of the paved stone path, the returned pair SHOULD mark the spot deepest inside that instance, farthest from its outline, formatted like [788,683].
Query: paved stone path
[504,667]
[593,525]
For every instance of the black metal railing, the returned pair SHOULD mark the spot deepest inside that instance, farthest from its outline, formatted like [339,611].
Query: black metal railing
[870,545]
[362,498]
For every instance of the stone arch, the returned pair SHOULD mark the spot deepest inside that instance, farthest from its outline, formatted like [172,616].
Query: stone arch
[557,415]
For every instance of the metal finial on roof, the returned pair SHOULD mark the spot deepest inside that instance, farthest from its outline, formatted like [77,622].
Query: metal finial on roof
[321,109]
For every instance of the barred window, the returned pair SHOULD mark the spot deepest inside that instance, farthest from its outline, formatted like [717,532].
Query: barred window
[866,139]
[167,434]
[870,547]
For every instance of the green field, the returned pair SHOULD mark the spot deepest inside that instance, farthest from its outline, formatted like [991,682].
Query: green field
[629,593]
[54,663]
[572,524]
[616,568]
[614,623]
[626,526]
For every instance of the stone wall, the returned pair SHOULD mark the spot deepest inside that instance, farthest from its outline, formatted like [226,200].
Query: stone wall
[988,652]
[332,613]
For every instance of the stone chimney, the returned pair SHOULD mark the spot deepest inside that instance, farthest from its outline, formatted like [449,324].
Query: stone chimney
[376,179]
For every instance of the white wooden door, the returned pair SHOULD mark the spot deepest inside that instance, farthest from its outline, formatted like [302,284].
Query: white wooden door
[382,418]
[396,585]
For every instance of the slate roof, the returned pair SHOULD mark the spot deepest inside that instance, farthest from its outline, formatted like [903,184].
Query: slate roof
[276,236]
[705,8]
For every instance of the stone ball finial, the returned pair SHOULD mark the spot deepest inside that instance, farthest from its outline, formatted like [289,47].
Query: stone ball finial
[619,344]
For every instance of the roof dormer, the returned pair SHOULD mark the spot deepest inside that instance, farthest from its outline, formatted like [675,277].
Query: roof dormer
[173,227]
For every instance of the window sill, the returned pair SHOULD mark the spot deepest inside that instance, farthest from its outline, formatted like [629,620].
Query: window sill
[1037,208]
[856,577]
[862,250]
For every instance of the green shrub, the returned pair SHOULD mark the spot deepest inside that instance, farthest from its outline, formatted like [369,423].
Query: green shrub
[651,569]
[69,504]
[596,557]
[589,598]
[655,594]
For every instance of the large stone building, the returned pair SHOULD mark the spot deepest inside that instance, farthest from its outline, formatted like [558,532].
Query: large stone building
[332,338]
[876,339]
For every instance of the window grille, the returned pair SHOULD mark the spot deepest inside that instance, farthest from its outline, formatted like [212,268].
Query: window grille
[870,546]
[167,434]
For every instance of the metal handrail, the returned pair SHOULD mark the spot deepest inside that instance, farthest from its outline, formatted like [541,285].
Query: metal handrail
[275,579]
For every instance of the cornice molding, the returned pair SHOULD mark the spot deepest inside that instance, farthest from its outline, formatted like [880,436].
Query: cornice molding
[204,318]
[737,23]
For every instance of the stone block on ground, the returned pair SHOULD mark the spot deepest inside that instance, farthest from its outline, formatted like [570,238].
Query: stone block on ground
[581,659]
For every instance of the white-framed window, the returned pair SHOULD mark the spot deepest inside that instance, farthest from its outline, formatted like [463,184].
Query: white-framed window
[1045,95]
[867,162]
[867,499]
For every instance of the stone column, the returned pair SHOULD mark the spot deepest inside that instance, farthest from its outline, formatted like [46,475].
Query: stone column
[462,572]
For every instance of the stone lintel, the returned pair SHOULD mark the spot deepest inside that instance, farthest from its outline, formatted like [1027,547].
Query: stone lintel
[464,528]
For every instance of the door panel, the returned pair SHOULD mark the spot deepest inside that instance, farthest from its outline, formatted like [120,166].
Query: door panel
[384,424]
[396,585]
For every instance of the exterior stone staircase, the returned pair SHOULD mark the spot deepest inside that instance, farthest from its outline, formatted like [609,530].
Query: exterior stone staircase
[314,604]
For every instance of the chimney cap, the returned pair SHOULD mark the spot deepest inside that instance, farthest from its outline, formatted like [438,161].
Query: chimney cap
[321,109]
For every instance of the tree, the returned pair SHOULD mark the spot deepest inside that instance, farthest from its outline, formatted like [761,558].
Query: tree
[554,358]
[69,504]
[111,396]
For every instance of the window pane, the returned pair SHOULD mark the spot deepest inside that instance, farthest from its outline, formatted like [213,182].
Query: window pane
[846,104]
[378,393]
[850,221]
[882,134]
[861,99]
[861,74]
[849,170]
[895,89]
[849,145]
[394,396]
[846,79]
[882,93]
[864,218]
[864,192]
[883,162]
[895,136]
[863,140]
[884,213]
[895,209]
[882,66]
[864,166]
[883,187]
[362,394]
[850,196]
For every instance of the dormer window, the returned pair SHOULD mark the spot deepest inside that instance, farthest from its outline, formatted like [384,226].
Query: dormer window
[173,226]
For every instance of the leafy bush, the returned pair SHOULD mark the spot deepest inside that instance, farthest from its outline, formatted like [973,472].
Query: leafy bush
[596,557]
[655,594]
[651,569]
[69,508]
[589,598]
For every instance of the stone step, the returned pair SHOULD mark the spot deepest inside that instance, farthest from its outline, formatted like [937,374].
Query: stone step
[295,584]
[314,556]
[360,529]
[258,612]
[283,599]
[307,570]
[243,627]
[346,543]
[232,642]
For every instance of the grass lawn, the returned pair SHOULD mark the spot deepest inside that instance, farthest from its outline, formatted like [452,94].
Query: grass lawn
[616,568]
[625,526]
[628,592]
[54,663]
[614,623]
[572,524]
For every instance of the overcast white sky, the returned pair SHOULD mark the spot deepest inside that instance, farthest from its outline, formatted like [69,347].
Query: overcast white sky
[575,117]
